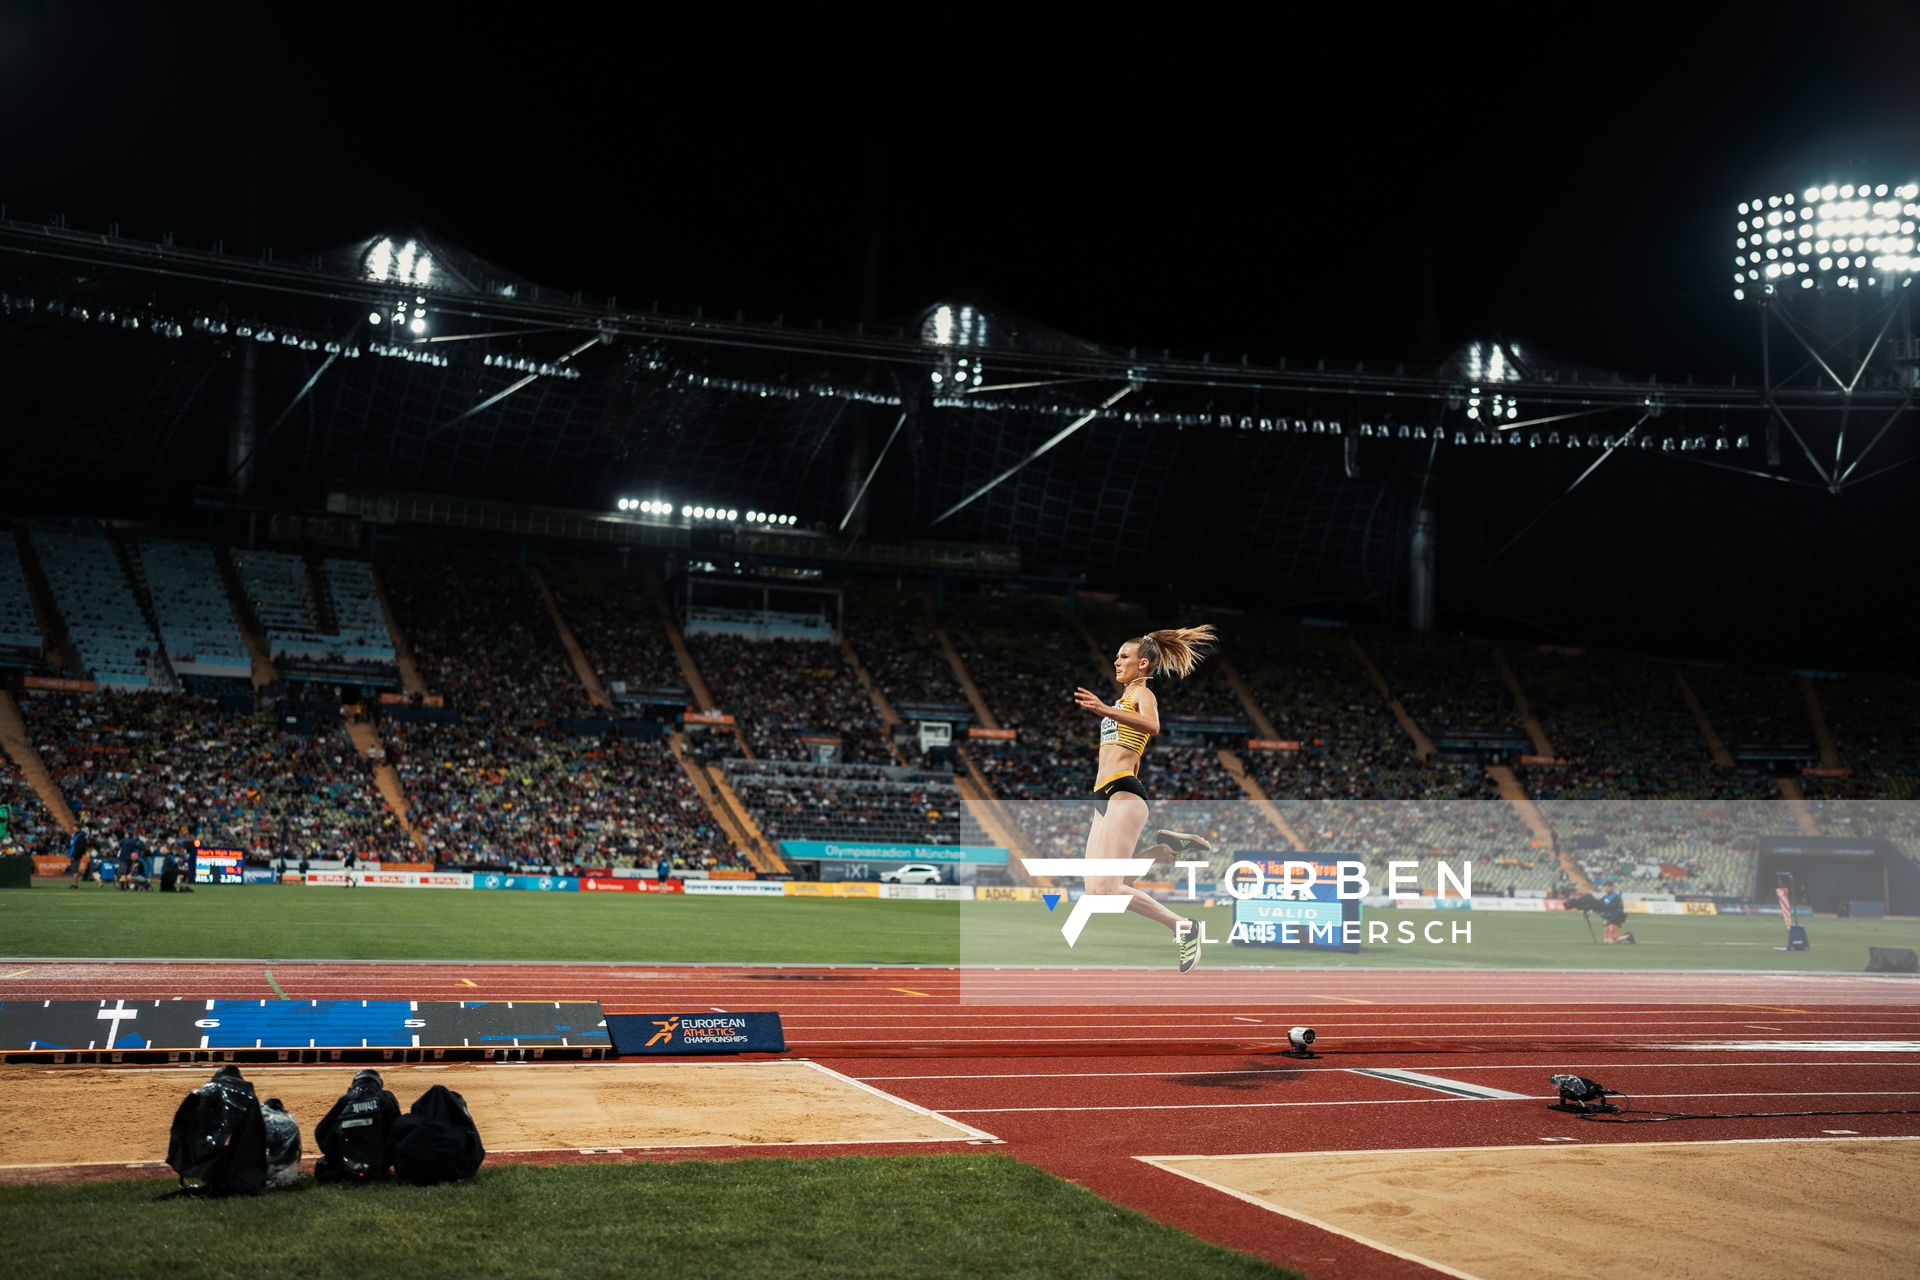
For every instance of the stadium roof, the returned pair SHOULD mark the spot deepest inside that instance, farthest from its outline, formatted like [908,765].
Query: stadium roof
[128,364]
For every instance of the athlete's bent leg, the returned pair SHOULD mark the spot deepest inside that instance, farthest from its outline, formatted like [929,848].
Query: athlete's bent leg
[1115,837]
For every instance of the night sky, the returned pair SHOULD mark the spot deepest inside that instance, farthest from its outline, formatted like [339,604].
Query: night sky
[1376,191]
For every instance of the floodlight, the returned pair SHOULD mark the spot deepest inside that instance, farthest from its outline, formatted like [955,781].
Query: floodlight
[374,317]
[379,262]
[418,325]
[732,514]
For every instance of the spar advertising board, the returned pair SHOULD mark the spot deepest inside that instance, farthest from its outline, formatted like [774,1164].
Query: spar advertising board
[393,879]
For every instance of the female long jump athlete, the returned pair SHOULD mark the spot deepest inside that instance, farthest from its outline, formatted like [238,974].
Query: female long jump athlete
[1119,799]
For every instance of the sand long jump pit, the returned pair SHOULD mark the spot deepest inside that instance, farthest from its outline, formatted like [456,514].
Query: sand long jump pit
[1696,1209]
[61,1116]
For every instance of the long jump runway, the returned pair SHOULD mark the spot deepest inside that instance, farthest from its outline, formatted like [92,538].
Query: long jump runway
[1419,1143]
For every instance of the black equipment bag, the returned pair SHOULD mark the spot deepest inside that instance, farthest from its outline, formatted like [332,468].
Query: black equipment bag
[436,1141]
[283,1144]
[218,1145]
[353,1135]
[1892,960]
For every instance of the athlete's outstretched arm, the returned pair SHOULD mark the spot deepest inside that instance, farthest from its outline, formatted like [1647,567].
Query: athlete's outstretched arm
[1146,719]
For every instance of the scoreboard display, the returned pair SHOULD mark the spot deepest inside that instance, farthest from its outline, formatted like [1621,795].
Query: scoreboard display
[1303,917]
[218,866]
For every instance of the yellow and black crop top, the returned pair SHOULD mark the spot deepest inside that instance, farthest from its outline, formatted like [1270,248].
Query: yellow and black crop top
[1112,731]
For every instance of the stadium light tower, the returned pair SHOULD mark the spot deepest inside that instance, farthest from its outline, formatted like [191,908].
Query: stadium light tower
[963,327]
[1832,265]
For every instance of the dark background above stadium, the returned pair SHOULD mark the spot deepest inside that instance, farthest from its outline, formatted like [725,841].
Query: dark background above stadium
[1306,191]
[1312,188]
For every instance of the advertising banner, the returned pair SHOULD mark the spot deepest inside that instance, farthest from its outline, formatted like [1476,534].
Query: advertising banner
[1005,893]
[538,884]
[56,684]
[840,889]
[258,875]
[659,1034]
[835,851]
[393,879]
[931,892]
[735,888]
[607,884]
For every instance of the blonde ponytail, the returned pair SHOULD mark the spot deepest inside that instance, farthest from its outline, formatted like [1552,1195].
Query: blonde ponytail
[1176,650]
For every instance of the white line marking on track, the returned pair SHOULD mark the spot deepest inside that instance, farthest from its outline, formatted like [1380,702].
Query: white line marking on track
[1323,1153]
[1808,1046]
[1450,1066]
[1834,1046]
[864,1087]
[1439,1084]
[1389,1102]
[1269,1206]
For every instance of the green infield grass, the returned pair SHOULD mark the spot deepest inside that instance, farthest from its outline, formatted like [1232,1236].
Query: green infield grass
[852,1216]
[292,922]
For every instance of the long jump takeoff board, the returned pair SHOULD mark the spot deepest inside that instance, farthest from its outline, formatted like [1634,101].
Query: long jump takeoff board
[299,1030]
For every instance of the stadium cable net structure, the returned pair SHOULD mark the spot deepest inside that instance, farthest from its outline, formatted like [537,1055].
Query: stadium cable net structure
[1537,488]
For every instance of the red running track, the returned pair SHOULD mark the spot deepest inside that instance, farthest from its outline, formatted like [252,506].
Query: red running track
[1083,1071]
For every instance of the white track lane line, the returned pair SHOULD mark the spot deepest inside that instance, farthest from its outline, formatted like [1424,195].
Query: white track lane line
[1501,1146]
[1439,1066]
[1812,1046]
[1389,1102]
[1438,1084]
[1328,1227]
[976,1134]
